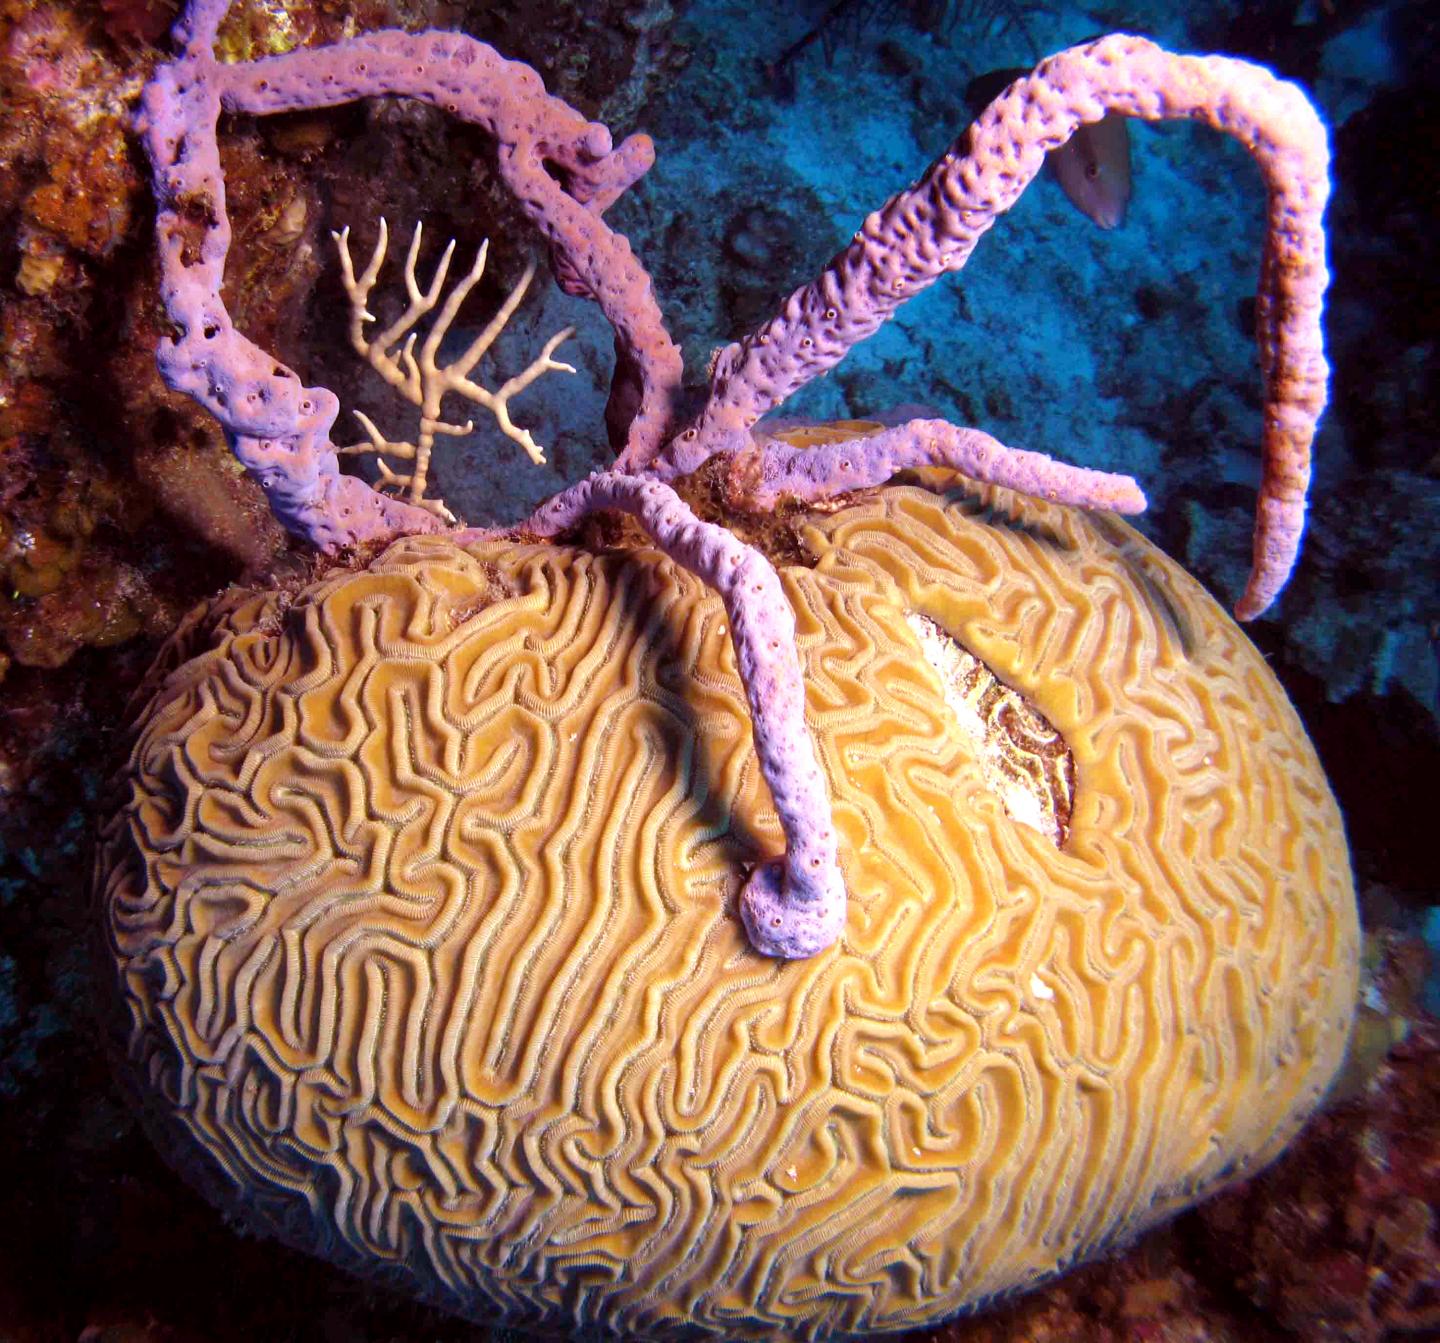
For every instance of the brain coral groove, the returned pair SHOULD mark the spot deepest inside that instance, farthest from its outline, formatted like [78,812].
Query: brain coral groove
[423,904]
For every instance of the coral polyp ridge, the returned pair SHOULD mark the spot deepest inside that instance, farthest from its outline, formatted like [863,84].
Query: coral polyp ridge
[826,905]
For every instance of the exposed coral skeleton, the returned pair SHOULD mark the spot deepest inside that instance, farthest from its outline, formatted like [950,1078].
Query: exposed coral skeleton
[565,172]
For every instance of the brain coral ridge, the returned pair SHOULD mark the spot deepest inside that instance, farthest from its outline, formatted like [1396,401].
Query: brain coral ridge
[467,1005]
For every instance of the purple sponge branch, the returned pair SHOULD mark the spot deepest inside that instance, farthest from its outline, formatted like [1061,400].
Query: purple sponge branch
[817,472]
[922,233]
[199,22]
[794,907]
[278,429]
[564,170]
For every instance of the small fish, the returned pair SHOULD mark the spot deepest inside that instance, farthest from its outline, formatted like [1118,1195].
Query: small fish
[1092,166]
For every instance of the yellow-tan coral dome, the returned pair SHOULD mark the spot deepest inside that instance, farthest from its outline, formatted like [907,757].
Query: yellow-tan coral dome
[422,892]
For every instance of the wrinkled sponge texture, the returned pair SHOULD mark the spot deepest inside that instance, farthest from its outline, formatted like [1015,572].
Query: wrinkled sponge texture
[421,897]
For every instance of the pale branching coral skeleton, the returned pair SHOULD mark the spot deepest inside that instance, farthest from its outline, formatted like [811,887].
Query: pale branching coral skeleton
[422,381]
[565,171]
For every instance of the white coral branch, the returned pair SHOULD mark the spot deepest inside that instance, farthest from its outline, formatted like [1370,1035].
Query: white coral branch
[418,377]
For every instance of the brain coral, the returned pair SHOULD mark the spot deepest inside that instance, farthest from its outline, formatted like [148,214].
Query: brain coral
[422,903]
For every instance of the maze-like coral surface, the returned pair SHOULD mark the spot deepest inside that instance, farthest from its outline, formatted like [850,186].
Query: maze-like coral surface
[422,903]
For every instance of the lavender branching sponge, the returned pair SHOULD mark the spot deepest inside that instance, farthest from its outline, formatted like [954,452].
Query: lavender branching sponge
[750,896]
